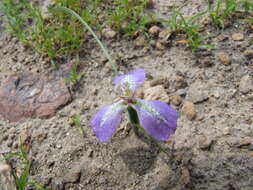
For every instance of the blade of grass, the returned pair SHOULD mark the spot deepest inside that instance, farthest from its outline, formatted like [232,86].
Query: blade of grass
[74,14]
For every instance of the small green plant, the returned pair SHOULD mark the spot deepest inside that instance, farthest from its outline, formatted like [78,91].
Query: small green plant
[223,10]
[74,75]
[247,5]
[21,178]
[129,16]
[189,26]
[76,119]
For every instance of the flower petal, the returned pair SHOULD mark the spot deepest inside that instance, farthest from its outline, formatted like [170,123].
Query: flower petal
[106,121]
[157,118]
[134,80]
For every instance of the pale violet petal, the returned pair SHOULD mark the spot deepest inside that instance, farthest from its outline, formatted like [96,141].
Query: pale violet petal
[105,122]
[157,118]
[133,79]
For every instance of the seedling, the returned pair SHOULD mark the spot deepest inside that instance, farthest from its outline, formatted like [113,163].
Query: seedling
[129,17]
[74,74]
[189,26]
[22,179]
[76,119]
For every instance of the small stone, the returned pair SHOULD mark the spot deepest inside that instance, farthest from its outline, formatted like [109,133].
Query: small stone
[246,84]
[73,175]
[205,143]
[176,100]
[227,131]
[248,54]
[246,141]
[180,82]
[237,36]
[156,93]
[159,46]
[224,59]
[159,81]
[188,110]
[222,37]
[108,33]
[140,41]
[154,30]
[164,34]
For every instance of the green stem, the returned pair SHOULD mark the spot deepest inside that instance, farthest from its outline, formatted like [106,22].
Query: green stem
[73,13]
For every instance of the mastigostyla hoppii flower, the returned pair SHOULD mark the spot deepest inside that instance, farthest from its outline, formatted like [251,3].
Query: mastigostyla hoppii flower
[157,118]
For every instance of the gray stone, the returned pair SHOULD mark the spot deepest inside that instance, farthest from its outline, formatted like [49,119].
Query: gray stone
[197,92]
[246,84]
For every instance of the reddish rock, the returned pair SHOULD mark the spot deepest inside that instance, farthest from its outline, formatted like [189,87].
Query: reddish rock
[30,96]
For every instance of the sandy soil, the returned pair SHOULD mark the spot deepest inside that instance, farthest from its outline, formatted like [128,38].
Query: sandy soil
[212,151]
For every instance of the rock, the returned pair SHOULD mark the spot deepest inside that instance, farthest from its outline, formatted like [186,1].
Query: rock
[224,59]
[246,84]
[197,92]
[237,36]
[140,41]
[248,54]
[160,46]
[154,30]
[176,100]
[188,110]
[159,81]
[31,96]
[156,93]
[246,141]
[227,131]
[73,175]
[164,34]
[7,181]
[205,143]
[108,33]
[180,82]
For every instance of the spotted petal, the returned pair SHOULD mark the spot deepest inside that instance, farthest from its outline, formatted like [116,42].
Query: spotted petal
[105,122]
[157,118]
[133,80]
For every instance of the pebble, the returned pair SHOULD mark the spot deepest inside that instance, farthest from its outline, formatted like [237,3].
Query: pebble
[246,84]
[198,92]
[140,41]
[226,131]
[156,93]
[73,175]
[154,30]
[164,34]
[248,53]
[176,100]
[159,81]
[108,33]
[160,46]
[244,142]
[180,82]
[205,143]
[224,59]
[188,110]
[237,36]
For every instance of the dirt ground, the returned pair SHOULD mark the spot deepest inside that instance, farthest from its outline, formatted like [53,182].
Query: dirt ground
[211,151]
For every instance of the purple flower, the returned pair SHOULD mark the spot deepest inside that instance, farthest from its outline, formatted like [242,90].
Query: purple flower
[157,118]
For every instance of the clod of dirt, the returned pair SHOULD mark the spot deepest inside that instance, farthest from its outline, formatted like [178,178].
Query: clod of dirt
[224,59]
[156,93]
[189,111]
[246,84]
[248,54]
[154,30]
[176,100]
[30,96]
[237,36]
[109,33]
